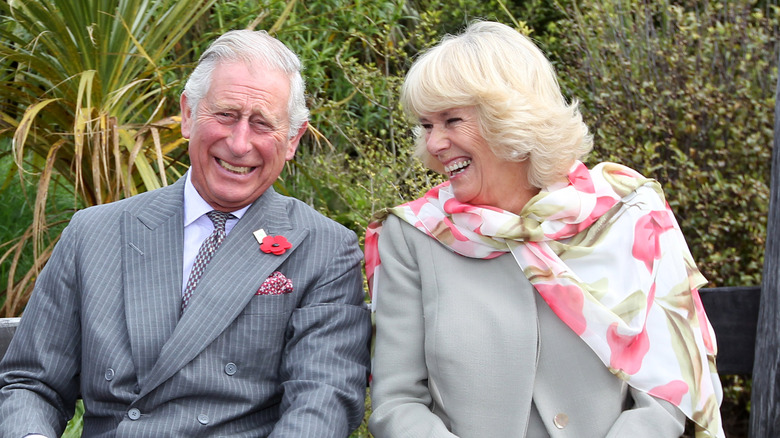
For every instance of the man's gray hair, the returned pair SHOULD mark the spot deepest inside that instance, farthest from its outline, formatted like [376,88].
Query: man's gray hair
[251,46]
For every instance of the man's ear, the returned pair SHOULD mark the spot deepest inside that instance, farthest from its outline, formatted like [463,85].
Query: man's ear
[186,116]
[292,144]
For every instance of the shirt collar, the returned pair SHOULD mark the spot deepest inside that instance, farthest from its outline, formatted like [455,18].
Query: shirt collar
[195,206]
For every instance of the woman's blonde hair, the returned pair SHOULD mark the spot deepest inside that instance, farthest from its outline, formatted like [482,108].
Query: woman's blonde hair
[522,113]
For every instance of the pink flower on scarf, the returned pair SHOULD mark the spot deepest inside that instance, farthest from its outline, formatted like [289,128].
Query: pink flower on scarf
[581,179]
[672,392]
[628,351]
[647,234]
[602,205]
[372,253]
[418,204]
[567,303]
[703,323]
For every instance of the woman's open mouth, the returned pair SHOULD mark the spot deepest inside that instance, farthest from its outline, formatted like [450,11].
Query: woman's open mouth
[456,168]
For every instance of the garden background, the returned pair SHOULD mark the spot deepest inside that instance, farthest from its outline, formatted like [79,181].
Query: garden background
[682,91]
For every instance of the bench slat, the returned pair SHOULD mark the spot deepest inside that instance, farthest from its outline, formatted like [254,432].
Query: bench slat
[733,313]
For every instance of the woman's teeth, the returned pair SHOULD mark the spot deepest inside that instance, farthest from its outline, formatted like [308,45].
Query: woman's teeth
[456,168]
[235,169]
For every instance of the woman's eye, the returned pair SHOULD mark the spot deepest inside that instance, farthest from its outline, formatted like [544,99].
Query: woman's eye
[452,120]
[427,126]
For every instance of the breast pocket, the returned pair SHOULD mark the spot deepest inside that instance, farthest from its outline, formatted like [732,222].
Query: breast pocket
[265,304]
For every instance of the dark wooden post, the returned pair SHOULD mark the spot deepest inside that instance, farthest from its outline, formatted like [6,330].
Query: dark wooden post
[765,399]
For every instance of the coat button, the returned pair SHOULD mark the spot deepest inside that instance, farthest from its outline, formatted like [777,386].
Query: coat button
[561,420]
[134,414]
[110,374]
[203,419]
[230,368]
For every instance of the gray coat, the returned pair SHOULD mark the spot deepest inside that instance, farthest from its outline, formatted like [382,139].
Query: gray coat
[466,347]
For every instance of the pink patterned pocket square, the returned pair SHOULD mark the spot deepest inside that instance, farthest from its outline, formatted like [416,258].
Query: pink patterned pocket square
[276,284]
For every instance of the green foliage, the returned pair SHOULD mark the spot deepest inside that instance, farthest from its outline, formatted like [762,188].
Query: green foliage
[76,424]
[685,94]
[16,259]
[81,84]
[14,216]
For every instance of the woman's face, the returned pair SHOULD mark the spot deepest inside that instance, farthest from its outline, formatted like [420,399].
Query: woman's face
[477,175]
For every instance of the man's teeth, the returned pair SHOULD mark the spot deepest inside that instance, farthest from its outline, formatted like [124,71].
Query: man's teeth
[235,169]
[457,167]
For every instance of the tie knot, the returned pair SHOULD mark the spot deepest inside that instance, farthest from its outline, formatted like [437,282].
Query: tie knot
[218,218]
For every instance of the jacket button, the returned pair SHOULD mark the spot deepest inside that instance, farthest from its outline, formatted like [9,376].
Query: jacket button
[110,374]
[230,368]
[134,414]
[203,419]
[561,420]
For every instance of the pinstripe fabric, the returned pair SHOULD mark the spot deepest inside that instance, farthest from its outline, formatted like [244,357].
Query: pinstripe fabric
[103,324]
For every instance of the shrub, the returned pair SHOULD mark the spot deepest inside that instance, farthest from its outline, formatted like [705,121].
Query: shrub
[684,92]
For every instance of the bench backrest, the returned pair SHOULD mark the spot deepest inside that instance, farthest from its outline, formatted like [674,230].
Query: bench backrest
[7,329]
[733,313]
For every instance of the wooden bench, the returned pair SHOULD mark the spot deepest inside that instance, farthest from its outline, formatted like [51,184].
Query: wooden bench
[7,329]
[733,313]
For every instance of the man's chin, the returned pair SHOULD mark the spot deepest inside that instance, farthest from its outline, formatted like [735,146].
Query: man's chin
[231,200]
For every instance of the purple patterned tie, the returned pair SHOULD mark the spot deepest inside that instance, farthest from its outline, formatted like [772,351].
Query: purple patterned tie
[205,253]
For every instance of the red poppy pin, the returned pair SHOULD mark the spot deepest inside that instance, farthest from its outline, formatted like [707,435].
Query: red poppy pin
[276,245]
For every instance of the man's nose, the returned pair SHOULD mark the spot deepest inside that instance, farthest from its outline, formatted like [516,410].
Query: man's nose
[238,142]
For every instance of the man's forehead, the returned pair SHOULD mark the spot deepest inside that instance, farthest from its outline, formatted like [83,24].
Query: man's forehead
[259,103]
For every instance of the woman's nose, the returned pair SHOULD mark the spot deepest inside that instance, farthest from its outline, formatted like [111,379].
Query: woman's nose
[437,140]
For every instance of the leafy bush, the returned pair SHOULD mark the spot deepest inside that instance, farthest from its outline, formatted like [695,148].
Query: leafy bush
[684,92]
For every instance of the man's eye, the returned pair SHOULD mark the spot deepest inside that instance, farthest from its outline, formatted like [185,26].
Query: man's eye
[260,125]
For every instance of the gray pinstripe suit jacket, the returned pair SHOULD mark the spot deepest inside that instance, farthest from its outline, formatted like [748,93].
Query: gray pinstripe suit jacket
[103,324]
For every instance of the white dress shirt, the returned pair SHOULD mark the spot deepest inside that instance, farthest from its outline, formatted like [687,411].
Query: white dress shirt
[197,226]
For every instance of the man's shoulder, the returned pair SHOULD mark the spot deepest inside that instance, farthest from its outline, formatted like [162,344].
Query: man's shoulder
[304,215]
[133,203]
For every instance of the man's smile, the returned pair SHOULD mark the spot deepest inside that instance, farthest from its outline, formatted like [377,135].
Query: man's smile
[235,169]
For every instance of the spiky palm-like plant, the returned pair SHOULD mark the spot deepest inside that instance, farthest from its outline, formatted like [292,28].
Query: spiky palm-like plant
[83,86]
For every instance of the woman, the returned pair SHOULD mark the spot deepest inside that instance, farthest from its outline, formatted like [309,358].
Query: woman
[527,295]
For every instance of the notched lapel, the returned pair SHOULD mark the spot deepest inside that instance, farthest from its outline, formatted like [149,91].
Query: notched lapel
[152,264]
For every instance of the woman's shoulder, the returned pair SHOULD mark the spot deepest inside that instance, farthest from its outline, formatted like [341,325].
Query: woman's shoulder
[395,229]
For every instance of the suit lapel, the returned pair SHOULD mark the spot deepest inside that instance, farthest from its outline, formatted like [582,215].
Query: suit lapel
[152,256]
[230,281]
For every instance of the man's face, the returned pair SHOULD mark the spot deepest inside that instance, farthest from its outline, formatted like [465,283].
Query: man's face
[239,136]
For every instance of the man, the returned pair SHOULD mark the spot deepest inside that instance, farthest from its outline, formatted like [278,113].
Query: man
[272,341]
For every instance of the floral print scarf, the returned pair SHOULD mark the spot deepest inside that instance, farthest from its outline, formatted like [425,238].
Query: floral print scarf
[606,253]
